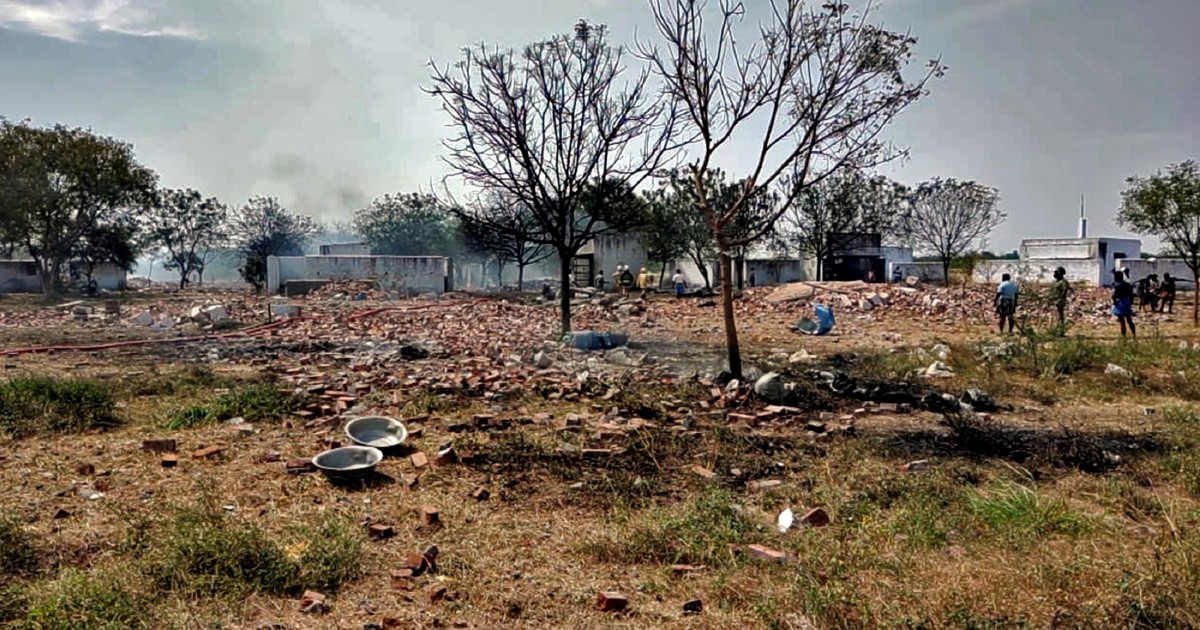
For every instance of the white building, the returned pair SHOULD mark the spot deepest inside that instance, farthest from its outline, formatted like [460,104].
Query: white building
[418,274]
[358,248]
[1086,260]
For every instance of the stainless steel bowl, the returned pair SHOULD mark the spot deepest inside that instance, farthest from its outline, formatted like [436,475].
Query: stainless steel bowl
[376,431]
[348,462]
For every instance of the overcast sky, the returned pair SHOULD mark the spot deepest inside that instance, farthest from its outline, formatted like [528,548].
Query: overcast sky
[318,102]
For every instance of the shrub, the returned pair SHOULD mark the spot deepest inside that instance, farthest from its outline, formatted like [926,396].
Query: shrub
[18,557]
[31,405]
[1017,510]
[332,555]
[83,601]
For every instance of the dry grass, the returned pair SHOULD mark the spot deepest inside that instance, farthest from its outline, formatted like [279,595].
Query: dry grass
[1072,510]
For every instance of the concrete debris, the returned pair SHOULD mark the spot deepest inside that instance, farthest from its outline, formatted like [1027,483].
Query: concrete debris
[1116,370]
[770,388]
[937,369]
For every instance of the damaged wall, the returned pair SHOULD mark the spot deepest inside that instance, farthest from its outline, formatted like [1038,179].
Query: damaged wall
[421,274]
[1083,271]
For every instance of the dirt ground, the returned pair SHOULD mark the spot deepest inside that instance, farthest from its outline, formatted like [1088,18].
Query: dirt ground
[1073,502]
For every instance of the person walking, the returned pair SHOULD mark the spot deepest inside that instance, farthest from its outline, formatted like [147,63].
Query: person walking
[680,283]
[1060,294]
[1006,301]
[1122,298]
[626,281]
[1166,294]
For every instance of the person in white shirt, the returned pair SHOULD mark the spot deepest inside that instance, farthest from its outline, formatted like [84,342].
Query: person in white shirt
[1006,301]
[679,282]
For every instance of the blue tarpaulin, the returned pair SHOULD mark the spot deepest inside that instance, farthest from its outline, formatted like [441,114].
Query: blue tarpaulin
[821,326]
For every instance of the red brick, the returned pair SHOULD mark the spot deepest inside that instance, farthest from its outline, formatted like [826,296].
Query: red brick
[159,446]
[300,465]
[815,517]
[611,601]
[85,469]
[429,515]
[481,494]
[436,593]
[419,460]
[208,451]
[169,460]
[380,532]
[60,514]
[766,553]
[417,563]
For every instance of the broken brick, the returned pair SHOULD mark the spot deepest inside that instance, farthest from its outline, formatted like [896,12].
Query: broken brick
[300,466]
[208,451]
[429,515]
[481,494]
[85,469]
[816,517]
[417,563]
[419,460]
[380,532]
[436,593]
[703,472]
[611,601]
[693,607]
[684,569]
[60,513]
[159,446]
[766,553]
[169,460]
[445,456]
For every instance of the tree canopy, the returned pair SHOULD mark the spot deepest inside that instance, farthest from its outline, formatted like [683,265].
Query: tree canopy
[192,228]
[948,217]
[264,228]
[408,224]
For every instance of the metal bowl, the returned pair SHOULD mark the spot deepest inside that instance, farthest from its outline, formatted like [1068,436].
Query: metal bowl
[348,462]
[376,431]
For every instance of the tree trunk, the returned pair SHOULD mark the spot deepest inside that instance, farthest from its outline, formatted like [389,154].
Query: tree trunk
[946,272]
[820,269]
[49,271]
[520,276]
[1195,299]
[199,276]
[564,299]
[499,275]
[663,276]
[731,337]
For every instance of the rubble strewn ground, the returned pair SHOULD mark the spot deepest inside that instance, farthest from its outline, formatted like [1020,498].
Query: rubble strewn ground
[913,469]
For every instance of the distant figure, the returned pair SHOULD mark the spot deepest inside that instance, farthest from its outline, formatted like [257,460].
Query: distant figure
[1006,301]
[751,277]
[1060,294]
[600,280]
[897,275]
[626,280]
[680,283]
[1147,293]
[1122,298]
[643,281]
[1166,294]
[547,292]
[871,276]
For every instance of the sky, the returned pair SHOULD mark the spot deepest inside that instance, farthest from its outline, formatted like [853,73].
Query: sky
[319,102]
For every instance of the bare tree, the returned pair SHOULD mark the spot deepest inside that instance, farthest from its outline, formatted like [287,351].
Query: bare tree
[544,124]
[498,225]
[946,217]
[827,218]
[812,94]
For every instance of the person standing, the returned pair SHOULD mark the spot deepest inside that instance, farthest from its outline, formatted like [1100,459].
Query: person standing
[626,280]
[600,281]
[1060,294]
[1006,301]
[1166,294]
[897,274]
[1122,298]
[680,283]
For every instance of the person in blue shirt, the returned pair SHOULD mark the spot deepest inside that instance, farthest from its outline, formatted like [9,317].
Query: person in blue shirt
[1122,298]
[1006,301]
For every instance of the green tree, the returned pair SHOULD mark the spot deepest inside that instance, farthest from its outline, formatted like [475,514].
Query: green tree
[409,224]
[1167,205]
[810,87]
[263,228]
[59,185]
[556,125]
[947,217]
[117,243]
[825,218]
[192,229]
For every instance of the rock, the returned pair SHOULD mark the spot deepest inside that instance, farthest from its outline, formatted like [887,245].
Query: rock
[937,370]
[611,601]
[143,318]
[542,360]
[770,388]
[197,315]
[764,484]
[941,351]
[285,310]
[979,400]
[785,520]
[816,517]
[1116,370]
[216,314]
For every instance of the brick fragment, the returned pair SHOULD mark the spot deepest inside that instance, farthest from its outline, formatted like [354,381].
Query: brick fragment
[169,460]
[436,593]
[816,517]
[60,513]
[300,465]
[379,531]
[481,494]
[766,553]
[693,607]
[419,460]
[85,469]
[207,452]
[159,446]
[611,601]
[430,516]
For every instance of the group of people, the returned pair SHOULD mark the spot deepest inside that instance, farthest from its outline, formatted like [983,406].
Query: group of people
[1160,297]
[624,280]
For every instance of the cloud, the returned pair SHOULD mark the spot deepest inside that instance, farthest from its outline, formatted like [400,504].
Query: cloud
[73,20]
[971,12]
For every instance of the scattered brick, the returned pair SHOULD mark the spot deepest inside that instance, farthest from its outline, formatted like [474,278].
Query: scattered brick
[60,513]
[85,469]
[300,466]
[380,532]
[816,517]
[611,601]
[430,516]
[766,553]
[169,460]
[207,452]
[417,563]
[436,593]
[159,446]
[481,494]
[419,460]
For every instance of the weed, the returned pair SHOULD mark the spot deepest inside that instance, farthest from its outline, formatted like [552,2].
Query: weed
[700,533]
[255,402]
[203,551]
[1185,415]
[18,557]
[427,403]
[194,378]
[31,405]
[86,601]
[332,555]
[192,416]
[1017,510]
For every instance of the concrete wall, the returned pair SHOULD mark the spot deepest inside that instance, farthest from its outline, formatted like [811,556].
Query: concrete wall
[1087,272]
[1140,268]
[1062,251]
[346,249]
[774,271]
[422,274]
[19,276]
[930,272]
[110,277]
